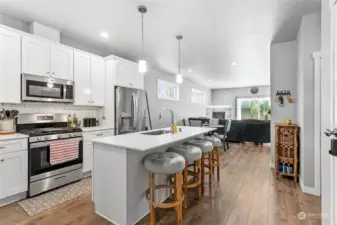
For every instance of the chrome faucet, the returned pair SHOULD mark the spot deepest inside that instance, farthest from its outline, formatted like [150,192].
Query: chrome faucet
[172,117]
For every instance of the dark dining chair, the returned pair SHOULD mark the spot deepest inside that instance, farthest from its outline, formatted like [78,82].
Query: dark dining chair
[186,123]
[195,122]
[227,129]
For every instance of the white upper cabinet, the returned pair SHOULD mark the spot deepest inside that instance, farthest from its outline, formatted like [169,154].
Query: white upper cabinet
[127,75]
[43,58]
[13,173]
[97,81]
[10,66]
[82,78]
[62,62]
[35,56]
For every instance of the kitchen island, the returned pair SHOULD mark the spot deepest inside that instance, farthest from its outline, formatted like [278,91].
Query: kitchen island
[120,181]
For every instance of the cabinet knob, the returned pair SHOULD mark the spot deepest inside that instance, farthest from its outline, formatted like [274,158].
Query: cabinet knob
[2,160]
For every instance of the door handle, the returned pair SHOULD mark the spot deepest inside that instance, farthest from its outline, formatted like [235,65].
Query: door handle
[329,132]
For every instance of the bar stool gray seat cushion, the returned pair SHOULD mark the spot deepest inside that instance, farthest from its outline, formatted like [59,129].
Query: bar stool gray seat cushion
[205,146]
[189,152]
[215,141]
[164,163]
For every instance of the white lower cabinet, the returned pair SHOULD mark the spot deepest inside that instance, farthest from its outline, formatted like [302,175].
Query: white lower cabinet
[13,172]
[88,151]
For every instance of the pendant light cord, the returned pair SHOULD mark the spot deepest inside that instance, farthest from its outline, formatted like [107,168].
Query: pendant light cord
[179,56]
[142,33]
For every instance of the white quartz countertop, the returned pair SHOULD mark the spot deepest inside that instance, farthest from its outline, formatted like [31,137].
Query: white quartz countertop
[141,142]
[97,128]
[12,136]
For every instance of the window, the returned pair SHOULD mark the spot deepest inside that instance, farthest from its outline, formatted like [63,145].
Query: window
[253,108]
[167,90]
[197,96]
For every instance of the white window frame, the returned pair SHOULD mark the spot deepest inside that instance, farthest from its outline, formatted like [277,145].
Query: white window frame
[168,85]
[193,90]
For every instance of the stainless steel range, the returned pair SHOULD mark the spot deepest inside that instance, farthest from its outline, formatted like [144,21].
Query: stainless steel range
[55,152]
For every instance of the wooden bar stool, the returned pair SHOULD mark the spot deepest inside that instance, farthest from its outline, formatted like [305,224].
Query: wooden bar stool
[192,154]
[216,152]
[168,163]
[206,148]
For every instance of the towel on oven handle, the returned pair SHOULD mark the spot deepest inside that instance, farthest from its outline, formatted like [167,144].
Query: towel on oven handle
[63,151]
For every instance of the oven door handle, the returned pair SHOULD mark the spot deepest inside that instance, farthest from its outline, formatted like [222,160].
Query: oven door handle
[47,143]
[40,144]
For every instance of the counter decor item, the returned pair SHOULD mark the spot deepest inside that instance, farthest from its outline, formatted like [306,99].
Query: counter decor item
[288,122]
[286,150]
[7,121]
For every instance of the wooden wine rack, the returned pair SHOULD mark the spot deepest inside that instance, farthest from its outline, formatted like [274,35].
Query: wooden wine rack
[286,150]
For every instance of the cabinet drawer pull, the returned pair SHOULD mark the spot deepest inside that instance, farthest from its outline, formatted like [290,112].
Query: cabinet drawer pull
[2,147]
[2,160]
[99,134]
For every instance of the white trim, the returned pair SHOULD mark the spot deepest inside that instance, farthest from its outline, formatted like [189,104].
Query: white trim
[177,97]
[272,165]
[317,119]
[308,190]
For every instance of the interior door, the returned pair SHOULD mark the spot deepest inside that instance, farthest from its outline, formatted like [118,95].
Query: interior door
[97,81]
[14,173]
[62,62]
[35,56]
[82,78]
[329,121]
[10,66]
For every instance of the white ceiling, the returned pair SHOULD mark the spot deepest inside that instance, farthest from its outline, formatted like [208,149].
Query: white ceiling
[216,33]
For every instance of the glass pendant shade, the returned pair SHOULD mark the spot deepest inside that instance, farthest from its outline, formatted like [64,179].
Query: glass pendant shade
[142,66]
[179,78]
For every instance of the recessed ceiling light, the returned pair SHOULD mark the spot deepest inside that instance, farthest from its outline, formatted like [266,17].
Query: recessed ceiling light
[210,80]
[190,70]
[234,64]
[104,34]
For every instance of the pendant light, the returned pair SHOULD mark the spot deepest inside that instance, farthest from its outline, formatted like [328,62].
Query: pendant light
[142,64]
[179,77]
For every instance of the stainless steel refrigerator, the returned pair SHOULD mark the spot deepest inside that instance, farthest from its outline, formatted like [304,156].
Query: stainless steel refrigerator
[132,112]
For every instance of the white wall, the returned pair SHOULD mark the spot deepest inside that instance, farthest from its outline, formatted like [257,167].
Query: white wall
[308,41]
[182,109]
[228,96]
[326,112]
[283,62]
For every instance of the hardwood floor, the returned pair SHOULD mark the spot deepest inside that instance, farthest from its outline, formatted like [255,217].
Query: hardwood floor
[248,194]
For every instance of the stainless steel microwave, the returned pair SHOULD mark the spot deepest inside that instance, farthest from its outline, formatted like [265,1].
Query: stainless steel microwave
[46,89]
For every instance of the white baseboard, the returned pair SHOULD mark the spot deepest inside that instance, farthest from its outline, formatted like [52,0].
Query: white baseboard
[309,190]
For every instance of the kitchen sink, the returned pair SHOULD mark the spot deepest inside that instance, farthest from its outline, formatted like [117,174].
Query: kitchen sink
[158,132]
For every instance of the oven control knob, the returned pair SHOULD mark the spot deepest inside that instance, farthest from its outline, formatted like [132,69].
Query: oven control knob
[71,135]
[59,136]
[38,138]
[46,138]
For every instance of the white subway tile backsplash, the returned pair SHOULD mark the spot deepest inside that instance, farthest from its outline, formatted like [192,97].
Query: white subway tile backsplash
[80,111]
